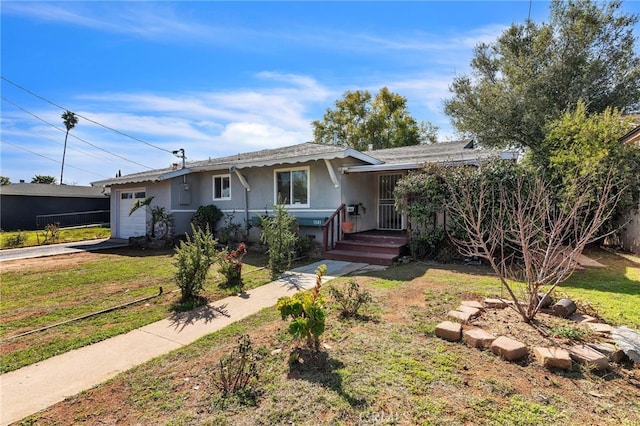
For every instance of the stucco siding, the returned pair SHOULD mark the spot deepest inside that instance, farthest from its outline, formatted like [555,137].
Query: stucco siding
[361,188]
[630,235]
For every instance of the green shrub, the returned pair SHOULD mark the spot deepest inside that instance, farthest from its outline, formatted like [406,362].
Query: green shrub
[16,240]
[351,298]
[193,259]
[207,216]
[280,235]
[307,312]
[304,245]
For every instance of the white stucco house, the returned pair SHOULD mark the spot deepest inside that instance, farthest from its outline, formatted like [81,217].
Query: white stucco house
[317,181]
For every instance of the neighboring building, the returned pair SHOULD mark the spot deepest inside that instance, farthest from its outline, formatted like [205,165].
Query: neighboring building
[31,206]
[314,179]
[630,234]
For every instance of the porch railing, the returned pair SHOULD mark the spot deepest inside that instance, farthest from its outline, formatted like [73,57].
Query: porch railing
[332,229]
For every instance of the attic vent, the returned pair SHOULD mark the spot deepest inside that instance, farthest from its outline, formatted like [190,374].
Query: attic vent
[470,145]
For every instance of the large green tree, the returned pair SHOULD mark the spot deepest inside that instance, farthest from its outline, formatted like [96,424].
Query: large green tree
[580,145]
[534,73]
[49,180]
[359,120]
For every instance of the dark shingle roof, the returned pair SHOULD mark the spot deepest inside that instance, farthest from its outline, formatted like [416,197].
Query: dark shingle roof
[423,153]
[46,190]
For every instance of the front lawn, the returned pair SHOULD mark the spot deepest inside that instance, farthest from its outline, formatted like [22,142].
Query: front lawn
[383,368]
[17,239]
[41,292]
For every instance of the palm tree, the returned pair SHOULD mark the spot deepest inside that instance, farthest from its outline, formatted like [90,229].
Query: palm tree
[70,120]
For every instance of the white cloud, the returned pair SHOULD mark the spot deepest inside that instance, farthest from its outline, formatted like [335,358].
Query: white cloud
[147,20]
[254,136]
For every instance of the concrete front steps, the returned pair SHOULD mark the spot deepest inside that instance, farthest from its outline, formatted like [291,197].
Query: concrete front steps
[377,248]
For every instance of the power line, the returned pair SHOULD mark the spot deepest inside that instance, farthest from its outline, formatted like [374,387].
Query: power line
[50,159]
[71,148]
[72,135]
[83,117]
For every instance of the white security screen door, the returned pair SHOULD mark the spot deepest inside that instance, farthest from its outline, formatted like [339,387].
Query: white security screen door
[388,217]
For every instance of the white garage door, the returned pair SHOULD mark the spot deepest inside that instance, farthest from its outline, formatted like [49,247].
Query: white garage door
[134,225]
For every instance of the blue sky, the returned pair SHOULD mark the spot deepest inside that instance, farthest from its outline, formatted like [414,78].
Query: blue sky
[218,78]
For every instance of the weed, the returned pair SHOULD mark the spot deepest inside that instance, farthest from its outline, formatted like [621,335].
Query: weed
[350,298]
[498,387]
[51,233]
[517,412]
[570,333]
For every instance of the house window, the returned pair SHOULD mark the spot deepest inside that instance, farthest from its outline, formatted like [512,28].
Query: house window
[132,195]
[292,186]
[222,187]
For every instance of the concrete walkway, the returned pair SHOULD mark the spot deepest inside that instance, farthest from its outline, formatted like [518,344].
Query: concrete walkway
[63,248]
[33,388]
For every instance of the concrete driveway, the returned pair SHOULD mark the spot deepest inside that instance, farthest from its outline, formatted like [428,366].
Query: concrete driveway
[63,248]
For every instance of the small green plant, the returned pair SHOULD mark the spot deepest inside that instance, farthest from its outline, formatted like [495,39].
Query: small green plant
[569,333]
[207,216]
[193,259]
[231,265]
[307,312]
[160,218]
[16,240]
[280,235]
[350,298]
[238,371]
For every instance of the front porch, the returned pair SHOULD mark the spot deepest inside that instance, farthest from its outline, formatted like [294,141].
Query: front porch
[376,247]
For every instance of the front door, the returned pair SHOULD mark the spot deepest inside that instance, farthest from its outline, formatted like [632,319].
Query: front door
[388,217]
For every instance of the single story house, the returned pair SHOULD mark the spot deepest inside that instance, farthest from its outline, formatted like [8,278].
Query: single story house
[31,206]
[630,234]
[315,181]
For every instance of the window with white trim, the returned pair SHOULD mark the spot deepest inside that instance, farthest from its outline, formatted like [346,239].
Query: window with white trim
[222,187]
[292,186]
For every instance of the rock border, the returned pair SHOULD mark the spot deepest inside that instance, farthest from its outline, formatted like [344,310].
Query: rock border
[458,328]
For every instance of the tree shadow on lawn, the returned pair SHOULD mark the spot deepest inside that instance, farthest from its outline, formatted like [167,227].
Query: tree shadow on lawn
[318,367]
[611,279]
[206,313]
[417,269]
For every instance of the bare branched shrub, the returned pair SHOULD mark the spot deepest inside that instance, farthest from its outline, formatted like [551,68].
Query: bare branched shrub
[238,371]
[526,230]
